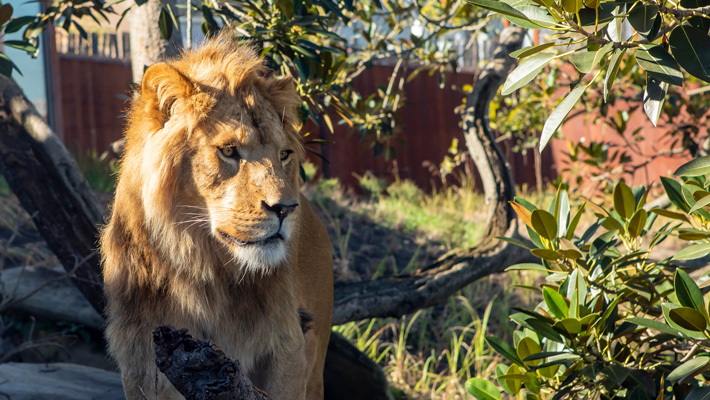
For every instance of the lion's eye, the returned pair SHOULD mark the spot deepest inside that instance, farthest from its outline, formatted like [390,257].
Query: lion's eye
[285,153]
[229,152]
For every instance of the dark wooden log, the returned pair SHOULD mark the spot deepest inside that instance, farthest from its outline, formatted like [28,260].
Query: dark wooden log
[199,370]
[351,375]
[50,186]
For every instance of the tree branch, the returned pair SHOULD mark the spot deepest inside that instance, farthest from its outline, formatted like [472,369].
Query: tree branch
[50,186]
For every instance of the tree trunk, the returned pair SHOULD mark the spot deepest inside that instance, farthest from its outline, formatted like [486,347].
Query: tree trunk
[52,189]
[147,45]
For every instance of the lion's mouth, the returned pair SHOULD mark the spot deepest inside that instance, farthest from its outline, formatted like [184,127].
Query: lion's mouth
[273,238]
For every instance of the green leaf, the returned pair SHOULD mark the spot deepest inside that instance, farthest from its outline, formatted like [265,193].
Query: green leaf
[692,234]
[693,252]
[527,267]
[697,167]
[624,201]
[559,114]
[637,223]
[503,348]
[513,385]
[569,250]
[616,373]
[659,64]
[593,19]
[562,212]
[544,224]
[689,369]
[575,221]
[545,354]
[286,7]
[655,325]
[520,376]
[482,389]
[690,47]
[674,192]
[545,254]
[499,7]
[653,97]
[666,308]
[572,6]
[528,69]
[515,242]
[586,61]
[165,24]
[570,325]
[577,285]
[688,292]
[21,45]
[612,70]
[17,23]
[536,18]
[556,304]
[670,214]
[700,204]
[526,348]
[526,204]
[538,324]
[688,318]
[642,18]
[699,393]
[699,22]
[532,50]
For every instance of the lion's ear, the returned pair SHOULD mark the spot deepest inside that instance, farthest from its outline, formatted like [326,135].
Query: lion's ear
[285,98]
[168,92]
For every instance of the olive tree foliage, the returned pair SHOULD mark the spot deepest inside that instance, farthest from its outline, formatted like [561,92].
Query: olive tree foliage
[664,38]
[613,321]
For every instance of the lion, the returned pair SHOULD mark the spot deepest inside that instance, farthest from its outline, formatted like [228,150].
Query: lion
[208,230]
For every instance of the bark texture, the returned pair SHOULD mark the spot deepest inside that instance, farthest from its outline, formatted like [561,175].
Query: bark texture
[431,285]
[50,186]
[199,370]
[147,45]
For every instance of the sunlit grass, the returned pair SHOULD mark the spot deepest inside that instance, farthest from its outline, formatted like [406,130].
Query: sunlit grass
[431,354]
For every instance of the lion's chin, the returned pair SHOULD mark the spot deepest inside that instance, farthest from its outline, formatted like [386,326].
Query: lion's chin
[261,256]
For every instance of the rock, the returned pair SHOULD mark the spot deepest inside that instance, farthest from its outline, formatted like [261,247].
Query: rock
[60,300]
[20,381]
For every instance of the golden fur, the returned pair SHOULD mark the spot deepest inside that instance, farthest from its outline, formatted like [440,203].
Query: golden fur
[203,239]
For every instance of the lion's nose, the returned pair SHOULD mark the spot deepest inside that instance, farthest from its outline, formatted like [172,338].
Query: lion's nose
[281,210]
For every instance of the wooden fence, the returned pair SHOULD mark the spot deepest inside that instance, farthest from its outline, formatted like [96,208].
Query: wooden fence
[101,45]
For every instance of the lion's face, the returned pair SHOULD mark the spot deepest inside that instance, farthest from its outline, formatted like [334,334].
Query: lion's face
[219,154]
[244,179]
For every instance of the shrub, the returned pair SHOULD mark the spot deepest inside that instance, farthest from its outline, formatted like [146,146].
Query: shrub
[613,322]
